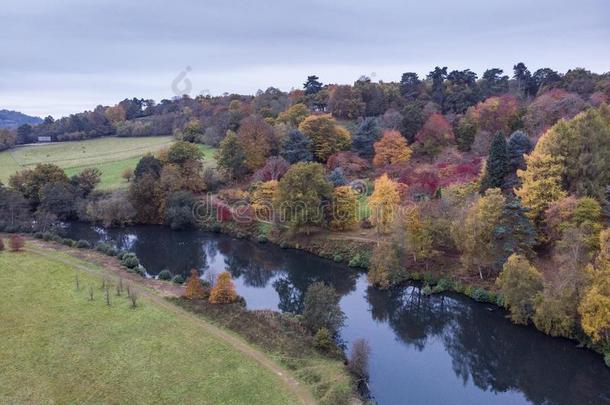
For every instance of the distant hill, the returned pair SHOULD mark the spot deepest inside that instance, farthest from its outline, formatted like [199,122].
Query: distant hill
[13,119]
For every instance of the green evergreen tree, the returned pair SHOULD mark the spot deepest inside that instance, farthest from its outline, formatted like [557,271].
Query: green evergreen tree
[515,233]
[366,135]
[497,163]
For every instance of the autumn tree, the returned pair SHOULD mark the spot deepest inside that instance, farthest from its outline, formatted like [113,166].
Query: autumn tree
[580,151]
[30,182]
[223,291]
[384,202]
[180,152]
[496,166]
[344,208]
[550,107]
[594,308]
[262,198]
[385,267]
[326,135]
[519,282]
[435,134]
[474,236]
[321,308]
[495,114]
[418,236]
[301,193]
[346,103]
[16,243]
[257,140]
[294,115]
[351,164]
[194,289]
[540,183]
[296,147]
[231,156]
[391,149]
[275,167]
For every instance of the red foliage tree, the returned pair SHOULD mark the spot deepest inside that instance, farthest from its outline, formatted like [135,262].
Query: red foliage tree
[274,169]
[495,114]
[16,243]
[434,135]
[352,164]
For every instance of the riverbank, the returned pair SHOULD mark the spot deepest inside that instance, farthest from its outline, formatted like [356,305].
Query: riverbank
[441,274]
[287,344]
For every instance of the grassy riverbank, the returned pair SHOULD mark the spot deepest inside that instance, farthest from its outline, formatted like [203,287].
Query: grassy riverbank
[58,346]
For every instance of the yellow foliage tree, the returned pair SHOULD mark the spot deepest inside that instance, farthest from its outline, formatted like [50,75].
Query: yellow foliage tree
[391,149]
[194,290]
[383,202]
[419,236]
[326,135]
[474,235]
[594,308]
[541,183]
[223,291]
[294,115]
[262,198]
[343,208]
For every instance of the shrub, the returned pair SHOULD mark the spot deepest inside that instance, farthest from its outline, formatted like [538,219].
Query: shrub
[103,247]
[122,254]
[338,258]
[165,275]
[479,294]
[360,260]
[426,290]
[38,235]
[68,242]
[130,260]
[140,270]
[178,279]
[47,236]
[444,284]
[83,244]
[261,239]
[323,341]
[1,245]
[16,243]
[284,245]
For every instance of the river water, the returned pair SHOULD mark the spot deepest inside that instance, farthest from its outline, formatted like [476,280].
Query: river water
[441,349]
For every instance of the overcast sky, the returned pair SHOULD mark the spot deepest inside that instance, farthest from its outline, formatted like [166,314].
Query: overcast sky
[64,56]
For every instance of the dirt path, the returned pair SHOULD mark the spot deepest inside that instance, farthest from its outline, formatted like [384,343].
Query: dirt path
[299,391]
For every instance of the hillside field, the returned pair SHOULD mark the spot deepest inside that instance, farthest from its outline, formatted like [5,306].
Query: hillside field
[57,346]
[111,155]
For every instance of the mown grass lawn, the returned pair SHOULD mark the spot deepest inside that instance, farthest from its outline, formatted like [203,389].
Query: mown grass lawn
[56,346]
[112,155]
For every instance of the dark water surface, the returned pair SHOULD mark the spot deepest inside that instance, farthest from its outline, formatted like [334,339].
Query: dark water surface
[443,349]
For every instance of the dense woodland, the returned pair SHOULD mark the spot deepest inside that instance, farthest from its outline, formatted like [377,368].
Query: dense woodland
[509,176]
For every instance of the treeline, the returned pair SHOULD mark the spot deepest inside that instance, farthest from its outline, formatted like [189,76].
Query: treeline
[402,105]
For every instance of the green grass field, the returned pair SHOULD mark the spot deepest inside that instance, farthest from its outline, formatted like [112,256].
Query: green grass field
[111,155]
[57,346]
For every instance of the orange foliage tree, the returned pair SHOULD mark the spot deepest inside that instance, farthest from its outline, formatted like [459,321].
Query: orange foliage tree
[257,140]
[223,291]
[391,149]
[194,289]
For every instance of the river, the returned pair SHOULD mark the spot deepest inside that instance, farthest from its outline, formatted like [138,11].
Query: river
[441,349]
